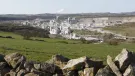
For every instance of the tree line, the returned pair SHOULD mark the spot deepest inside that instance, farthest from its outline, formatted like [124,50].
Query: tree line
[25,31]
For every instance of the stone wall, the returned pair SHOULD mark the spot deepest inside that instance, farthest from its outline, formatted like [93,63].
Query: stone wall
[15,64]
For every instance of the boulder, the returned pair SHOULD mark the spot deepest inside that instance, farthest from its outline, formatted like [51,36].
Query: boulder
[31,66]
[11,73]
[113,67]
[37,66]
[21,66]
[34,70]
[123,59]
[130,71]
[28,65]
[105,72]
[75,64]
[89,72]
[40,73]
[49,68]
[22,72]
[58,60]
[14,59]
[81,73]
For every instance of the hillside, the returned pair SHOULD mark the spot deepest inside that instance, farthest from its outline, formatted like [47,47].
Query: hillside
[127,29]
[62,16]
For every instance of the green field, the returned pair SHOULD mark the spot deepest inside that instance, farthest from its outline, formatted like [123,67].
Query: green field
[42,51]
[86,32]
[127,29]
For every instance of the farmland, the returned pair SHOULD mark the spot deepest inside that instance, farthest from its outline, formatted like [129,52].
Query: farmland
[43,50]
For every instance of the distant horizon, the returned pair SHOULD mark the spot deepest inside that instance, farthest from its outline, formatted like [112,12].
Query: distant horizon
[65,13]
[65,6]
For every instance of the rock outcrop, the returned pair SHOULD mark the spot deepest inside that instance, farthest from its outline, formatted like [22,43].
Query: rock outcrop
[15,64]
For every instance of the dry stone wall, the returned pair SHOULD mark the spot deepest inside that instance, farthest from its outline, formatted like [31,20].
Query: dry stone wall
[16,64]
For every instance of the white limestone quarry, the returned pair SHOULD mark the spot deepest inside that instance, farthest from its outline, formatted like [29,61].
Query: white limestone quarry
[64,27]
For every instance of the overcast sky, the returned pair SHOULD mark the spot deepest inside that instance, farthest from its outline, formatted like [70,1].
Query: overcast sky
[65,6]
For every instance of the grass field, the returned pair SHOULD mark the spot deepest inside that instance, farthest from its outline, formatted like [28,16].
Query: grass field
[127,29]
[86,32]
[42,51]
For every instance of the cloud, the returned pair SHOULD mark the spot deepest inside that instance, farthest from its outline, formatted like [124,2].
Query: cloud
[61,10]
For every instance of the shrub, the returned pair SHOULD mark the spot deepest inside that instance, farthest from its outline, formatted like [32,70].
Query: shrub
[9,37]
[56,36]
[2,37]
[107,37]
[65,42]
[39,40]
[83,40]
[92,41]
[87,41]
[113,42]
[24,30]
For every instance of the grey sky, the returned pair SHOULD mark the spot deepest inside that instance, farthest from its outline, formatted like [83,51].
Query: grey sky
[69,6]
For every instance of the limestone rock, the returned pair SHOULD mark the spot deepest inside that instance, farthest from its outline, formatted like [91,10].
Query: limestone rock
[37,66]
[49,68]
[123,59]
[22,72]
[58,60]
[89,72]
[28,65]
[31,66]
[11,73]
[21,66]
[76,64]
[130,71]
[105,72]
[31,74]
[14,59]
[81,73]
[40,72]
[34,70]
[113,67]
